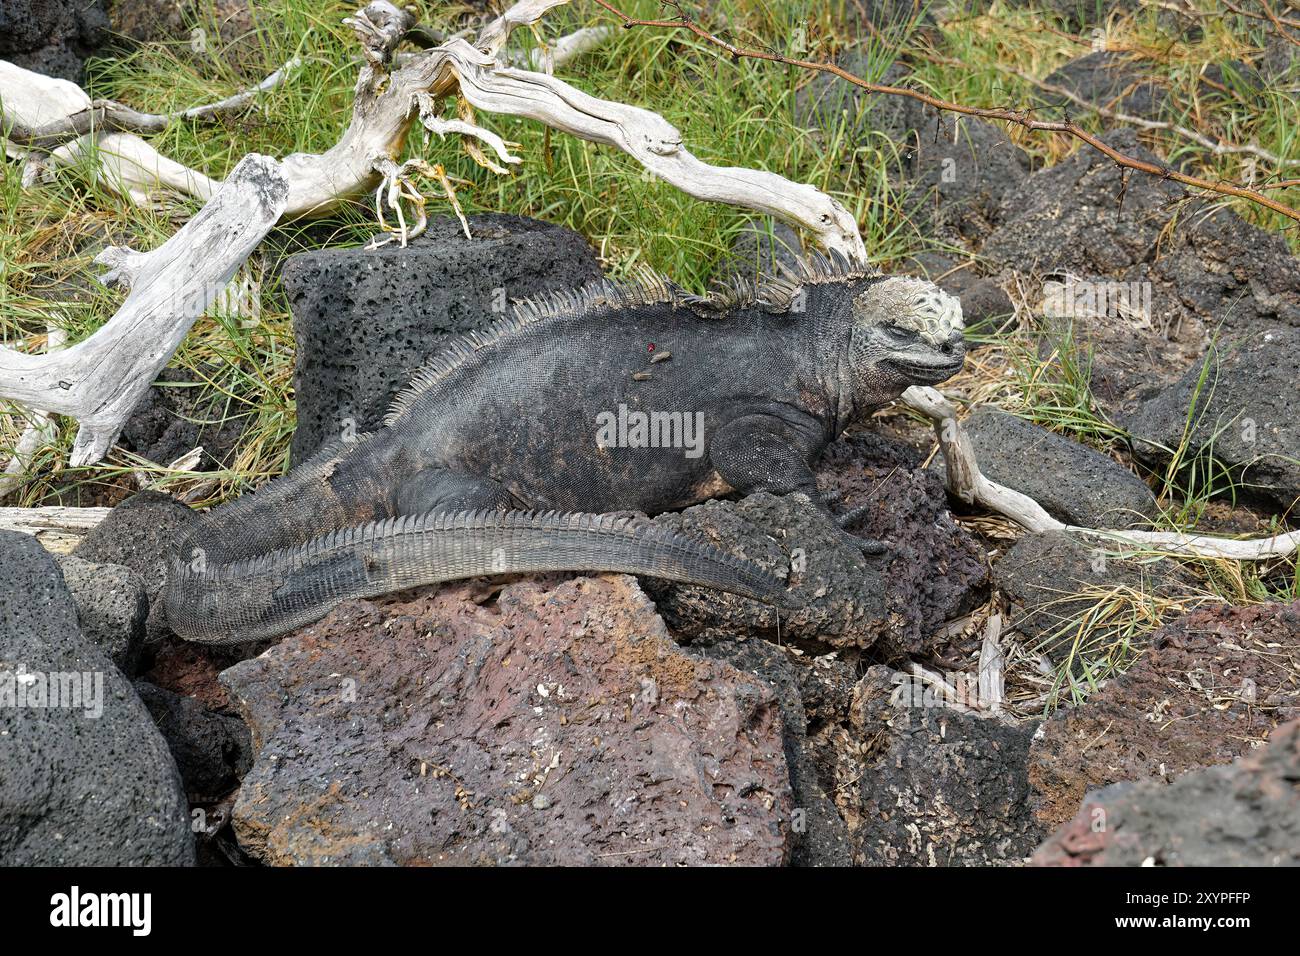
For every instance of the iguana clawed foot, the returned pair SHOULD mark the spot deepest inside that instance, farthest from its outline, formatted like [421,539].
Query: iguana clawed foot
[869,547]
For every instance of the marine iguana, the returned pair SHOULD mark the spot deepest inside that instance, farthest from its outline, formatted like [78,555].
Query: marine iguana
[618,397]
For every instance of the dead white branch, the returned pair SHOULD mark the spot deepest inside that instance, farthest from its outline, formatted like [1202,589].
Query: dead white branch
[110,116]
[967,483]
[388,102]
[991,681]
[39,432]
[99,380]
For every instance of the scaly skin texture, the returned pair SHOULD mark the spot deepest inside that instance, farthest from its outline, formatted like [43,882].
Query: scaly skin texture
[739,393]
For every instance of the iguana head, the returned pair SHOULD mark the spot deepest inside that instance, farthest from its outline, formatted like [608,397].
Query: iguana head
[905,332]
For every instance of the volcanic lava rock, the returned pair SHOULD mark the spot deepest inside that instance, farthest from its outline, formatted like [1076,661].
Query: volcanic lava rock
[928,785]
[111,607]
[1215,683]
[1053,579]
[1246,414]
[365,321]
[53,37]
[819,836]
[543,723]
[85,777]
[1074,483]
[1244,814]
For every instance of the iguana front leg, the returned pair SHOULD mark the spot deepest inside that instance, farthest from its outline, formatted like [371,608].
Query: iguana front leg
[772,454]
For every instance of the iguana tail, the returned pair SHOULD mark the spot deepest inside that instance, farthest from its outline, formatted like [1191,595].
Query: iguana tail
[251,599]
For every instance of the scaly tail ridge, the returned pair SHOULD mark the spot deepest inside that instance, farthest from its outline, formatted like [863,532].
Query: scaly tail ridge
[261,597]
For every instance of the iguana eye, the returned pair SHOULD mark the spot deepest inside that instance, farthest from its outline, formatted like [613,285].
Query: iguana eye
[900,334]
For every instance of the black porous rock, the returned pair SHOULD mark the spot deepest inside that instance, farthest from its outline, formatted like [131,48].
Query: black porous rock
[1110,80]
[1229,275]
[1243,814]
[213,751]
[112,608]
[961,172]
[933,785]
[1069,217]
[842,592]
[936,570]
[1246,415]
[1074,483]
[985,306]
[142,533]
[89,782]
[172,419]
[820,837]
[366,321]
[53,37]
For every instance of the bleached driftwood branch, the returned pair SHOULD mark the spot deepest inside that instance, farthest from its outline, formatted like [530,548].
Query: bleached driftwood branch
[110,116]
[39,431]
[123,162]
[387,103]
[99,380]
[967,483]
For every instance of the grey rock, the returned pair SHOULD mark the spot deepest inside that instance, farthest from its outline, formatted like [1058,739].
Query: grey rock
[936,571]
[842,592]
[431,745]
[1211,273]
[936,786]
[957,171]
[1069,218]
[1074,483]
[985,306]
[85,785]
[53,37]
[952,274]
[213,751]
[1231,276]
[819,835]
[962,171]
[142,533]
[1247,415]
[1110,80]
[1047,577]
[111,607]
[173,418]
[366,321]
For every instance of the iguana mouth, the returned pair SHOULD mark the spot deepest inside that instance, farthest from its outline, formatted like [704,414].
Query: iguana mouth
[928,373]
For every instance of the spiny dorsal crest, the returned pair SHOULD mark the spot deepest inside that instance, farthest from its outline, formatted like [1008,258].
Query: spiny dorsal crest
[647,288]
[915,304]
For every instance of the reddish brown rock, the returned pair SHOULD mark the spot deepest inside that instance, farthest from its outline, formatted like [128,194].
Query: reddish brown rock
[1214,684]
[190,670]
[1245,814]
[539,722]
